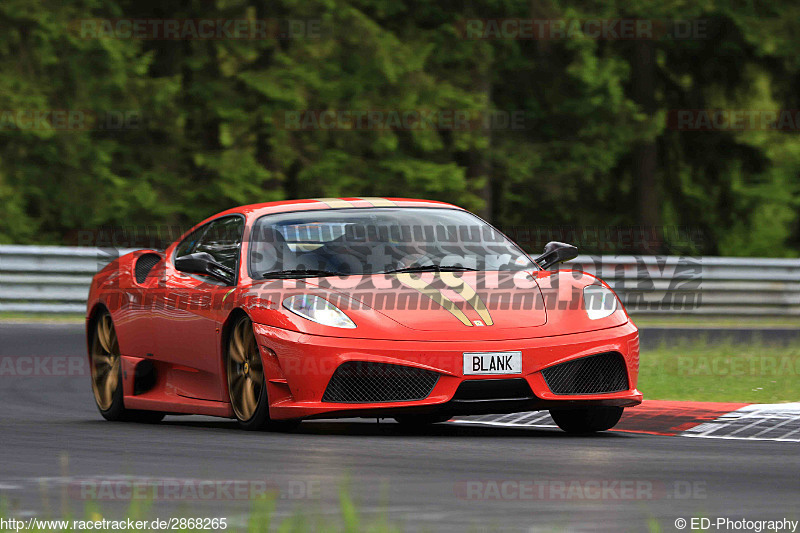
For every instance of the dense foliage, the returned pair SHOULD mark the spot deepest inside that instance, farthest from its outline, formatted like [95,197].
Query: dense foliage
[203,129]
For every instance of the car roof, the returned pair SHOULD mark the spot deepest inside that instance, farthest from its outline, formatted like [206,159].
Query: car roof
[311,204]
[330,203]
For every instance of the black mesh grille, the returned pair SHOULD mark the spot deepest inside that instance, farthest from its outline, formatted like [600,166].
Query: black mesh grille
[362,382]
[493,389]
[144,265]
[595,374]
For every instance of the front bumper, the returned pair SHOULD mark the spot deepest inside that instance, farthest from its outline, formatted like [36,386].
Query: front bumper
[298,368]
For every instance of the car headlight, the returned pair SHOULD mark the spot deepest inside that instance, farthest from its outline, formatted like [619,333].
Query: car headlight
[599,301]
[318,310]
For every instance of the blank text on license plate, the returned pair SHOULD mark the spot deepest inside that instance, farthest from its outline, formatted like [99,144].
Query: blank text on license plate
[492,363]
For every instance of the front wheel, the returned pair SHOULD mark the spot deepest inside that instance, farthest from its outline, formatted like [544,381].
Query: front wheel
[586,420]
[246,382]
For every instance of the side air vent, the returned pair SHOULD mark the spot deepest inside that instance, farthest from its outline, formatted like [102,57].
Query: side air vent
[596,374]
[144,265]
[144,377]
[365,382]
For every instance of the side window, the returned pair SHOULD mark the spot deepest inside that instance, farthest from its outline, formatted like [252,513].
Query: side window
[188,245]
[222,240]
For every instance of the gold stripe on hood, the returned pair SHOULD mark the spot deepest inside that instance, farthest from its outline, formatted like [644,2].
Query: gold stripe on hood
[425,289]
[466,291]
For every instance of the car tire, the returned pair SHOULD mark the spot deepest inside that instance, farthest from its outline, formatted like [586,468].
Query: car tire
[106,372]
[417,421]
[586,420]
[247,387]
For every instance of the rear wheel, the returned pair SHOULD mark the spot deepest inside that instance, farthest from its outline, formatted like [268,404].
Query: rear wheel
[106,363]
[586,420]
[246,382]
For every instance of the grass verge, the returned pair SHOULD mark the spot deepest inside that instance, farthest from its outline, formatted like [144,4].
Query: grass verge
[261,519]
[705,322]
[721,372]
[39,318]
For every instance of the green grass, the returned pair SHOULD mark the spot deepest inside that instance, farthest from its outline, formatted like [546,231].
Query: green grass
[261,519]
[9,316]
[721,372]
[767,322]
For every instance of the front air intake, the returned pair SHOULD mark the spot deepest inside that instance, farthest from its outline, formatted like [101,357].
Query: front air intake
[479,390]
[596,374]
[365,382]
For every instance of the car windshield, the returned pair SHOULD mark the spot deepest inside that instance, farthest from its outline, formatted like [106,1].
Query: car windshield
[379,240]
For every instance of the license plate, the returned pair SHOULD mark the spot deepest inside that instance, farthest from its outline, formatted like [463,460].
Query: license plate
[492,363]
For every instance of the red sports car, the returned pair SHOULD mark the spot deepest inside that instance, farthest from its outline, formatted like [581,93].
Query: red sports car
[356,307]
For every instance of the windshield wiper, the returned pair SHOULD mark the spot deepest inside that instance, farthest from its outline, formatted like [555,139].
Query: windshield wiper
[431,268]
[299,273]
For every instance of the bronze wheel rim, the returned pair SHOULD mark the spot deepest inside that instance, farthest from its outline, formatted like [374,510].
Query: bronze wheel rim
[105,362]
[245,371]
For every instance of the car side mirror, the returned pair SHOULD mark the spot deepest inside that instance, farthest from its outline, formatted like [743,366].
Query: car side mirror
[556,252]
[204,263]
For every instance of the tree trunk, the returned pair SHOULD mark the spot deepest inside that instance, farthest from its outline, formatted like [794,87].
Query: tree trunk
[479,165]
[645,154]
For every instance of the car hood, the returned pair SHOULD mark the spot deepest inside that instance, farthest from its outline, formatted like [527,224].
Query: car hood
[449,301]
[441,306]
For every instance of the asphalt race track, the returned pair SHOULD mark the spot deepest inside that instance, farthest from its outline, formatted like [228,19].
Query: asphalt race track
[446,478]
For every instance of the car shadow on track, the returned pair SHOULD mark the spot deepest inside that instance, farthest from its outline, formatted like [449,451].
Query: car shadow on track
[372,428]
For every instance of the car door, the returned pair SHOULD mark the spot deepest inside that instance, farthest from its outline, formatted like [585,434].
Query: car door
[186,333]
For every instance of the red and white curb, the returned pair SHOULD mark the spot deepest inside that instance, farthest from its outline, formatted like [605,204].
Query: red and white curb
[739,421]
[778,422]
